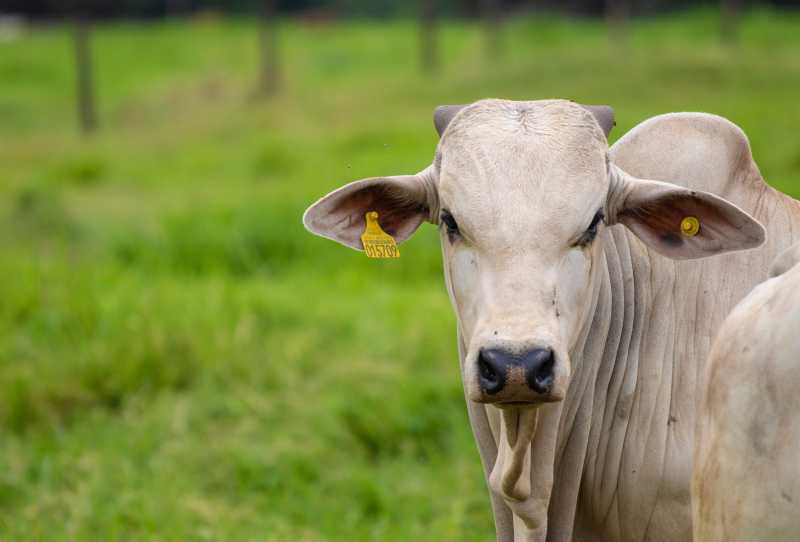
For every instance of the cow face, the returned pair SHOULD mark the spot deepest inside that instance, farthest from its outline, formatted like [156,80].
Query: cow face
[521,196]
[521,193]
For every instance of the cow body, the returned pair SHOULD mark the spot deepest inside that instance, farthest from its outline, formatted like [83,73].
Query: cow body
[582,340]
[746,484]
[620,443]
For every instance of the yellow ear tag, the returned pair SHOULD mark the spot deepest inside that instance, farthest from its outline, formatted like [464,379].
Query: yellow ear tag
[378,243]
[690,226]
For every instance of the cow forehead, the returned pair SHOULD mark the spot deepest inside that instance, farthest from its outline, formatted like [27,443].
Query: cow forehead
[493,120]
[529,161]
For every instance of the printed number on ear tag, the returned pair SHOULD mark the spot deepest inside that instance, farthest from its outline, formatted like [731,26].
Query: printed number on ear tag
[690,226]
[378,243]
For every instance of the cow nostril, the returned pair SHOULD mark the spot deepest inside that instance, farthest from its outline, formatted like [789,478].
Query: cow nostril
[491,376]
[540,370]
[486,370]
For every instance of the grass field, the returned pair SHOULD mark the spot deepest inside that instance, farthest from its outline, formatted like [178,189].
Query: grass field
[180,360]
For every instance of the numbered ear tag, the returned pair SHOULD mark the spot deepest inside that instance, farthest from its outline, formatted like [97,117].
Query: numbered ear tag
[690,226]
[378,243]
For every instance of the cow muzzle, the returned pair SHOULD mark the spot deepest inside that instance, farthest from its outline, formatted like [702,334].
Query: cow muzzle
[512,378]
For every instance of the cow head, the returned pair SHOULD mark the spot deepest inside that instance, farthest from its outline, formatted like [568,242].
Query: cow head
[521,192]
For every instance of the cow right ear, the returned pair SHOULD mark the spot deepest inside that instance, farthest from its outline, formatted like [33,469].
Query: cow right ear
[677,222]
[402,203]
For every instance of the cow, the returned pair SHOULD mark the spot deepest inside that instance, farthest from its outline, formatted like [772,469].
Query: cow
[746,482]
[588,283]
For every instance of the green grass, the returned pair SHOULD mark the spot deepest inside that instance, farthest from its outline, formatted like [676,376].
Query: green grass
[180,360]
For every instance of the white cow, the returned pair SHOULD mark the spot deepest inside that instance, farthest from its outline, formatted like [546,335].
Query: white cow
[746,483]
[585,315]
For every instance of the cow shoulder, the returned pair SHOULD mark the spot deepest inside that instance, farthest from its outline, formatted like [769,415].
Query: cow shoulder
[758,332]
[697,150]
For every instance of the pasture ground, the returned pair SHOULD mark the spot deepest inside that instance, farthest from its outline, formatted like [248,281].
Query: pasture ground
[180,360]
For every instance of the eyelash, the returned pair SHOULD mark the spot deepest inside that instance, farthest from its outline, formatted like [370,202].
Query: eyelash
[450,224]
[586,238]
[591,232]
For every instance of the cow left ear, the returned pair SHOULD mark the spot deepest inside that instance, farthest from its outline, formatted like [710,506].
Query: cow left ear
[680,223]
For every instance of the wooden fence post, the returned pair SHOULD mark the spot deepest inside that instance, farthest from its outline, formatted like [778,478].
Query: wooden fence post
[617,15]
[268,33]
[494,39]
[427,28]
[729,19]
[84,75]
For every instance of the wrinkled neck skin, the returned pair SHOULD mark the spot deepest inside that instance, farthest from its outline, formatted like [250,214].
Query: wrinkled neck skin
[530,441]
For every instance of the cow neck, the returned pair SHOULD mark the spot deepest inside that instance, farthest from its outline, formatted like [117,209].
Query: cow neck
[604,360]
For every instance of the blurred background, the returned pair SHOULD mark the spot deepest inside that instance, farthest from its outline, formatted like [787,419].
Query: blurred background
[179,359]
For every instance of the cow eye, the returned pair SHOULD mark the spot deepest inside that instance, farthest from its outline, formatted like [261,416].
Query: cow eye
[450,224]
[591,232]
